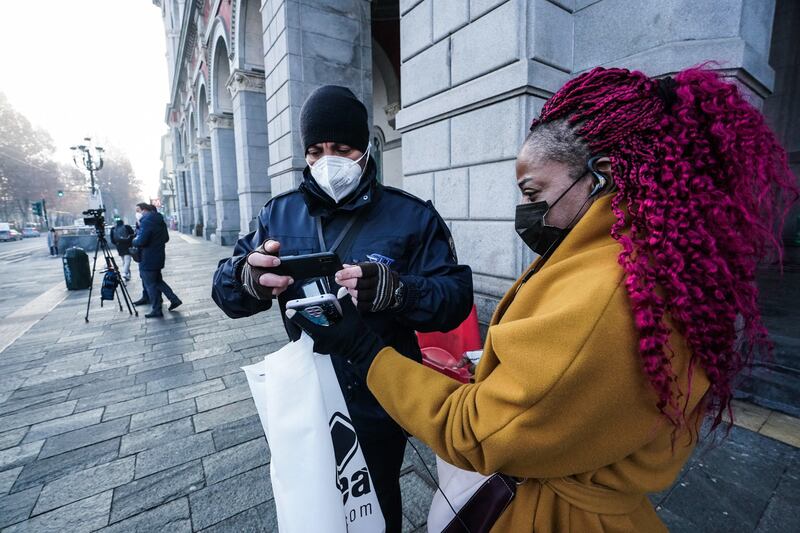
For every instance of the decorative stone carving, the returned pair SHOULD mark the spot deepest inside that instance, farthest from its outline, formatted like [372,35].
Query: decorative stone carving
[234,29]
[391,111]
[203,142]
[220,121]
[245,80]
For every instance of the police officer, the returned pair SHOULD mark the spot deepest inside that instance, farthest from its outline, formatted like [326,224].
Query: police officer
[400,264]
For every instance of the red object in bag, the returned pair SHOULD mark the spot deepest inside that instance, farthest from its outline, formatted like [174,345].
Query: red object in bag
[444,352]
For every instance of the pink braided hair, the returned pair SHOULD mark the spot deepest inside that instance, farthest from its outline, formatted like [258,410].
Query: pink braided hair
[704,187]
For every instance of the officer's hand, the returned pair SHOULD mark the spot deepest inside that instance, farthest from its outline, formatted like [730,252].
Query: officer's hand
[371,286]
[349,338]
[257,278]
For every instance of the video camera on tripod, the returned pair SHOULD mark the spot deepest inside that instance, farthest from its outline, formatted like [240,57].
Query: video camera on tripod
[111,280]
[95,217]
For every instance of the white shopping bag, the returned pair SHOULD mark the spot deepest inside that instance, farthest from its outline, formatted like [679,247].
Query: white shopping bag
[459,486]
[319,476]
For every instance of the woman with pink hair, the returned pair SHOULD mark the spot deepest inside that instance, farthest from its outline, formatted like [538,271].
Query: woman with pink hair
[650,203]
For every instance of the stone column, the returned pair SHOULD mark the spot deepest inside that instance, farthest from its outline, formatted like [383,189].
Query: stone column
[223,157]
[184,197]
[206,177]
[197,206]
[252,157]
[308,45]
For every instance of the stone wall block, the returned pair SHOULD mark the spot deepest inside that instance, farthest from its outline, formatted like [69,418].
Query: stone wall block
[332,50]
[277,77]
[486,306]
[601,35]
[427,148]
[478,8]
[407,5]
[327,23]
[488,247]
[448,16]
[487,44]
[420,185]
[416,30]
[756,29]
[452,193]
[487,134]
[493,192]
[550,34]
[430,71]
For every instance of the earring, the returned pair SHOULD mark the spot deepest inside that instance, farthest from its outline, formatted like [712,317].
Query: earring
[601,179]
[600,185]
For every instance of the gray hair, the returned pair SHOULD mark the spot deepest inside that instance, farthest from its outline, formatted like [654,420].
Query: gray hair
[558,141]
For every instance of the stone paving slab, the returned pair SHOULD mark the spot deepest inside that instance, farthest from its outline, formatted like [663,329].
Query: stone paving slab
[127,424]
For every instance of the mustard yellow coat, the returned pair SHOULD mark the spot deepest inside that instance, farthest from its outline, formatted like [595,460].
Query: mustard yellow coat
[559,398]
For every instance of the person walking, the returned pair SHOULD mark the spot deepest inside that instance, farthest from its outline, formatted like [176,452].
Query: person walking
[151,240]
[403,270]
[121,237]
[650,203]
[52,242]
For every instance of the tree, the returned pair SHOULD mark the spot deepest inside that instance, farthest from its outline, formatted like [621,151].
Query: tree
[27,172]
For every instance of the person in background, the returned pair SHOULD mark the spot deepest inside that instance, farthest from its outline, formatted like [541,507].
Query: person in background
[121,237]
[52,242]
[650,203]
[402,268]
[152,239]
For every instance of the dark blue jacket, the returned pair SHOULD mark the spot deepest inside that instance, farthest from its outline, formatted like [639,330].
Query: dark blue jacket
[152,238]
[397,226]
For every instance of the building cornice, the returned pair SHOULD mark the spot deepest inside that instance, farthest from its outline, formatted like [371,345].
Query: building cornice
[186,45]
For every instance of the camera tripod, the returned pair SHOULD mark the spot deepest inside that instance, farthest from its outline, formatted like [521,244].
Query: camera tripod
[111,265]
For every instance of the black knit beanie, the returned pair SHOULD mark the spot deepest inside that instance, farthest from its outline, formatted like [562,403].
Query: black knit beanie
[334,114]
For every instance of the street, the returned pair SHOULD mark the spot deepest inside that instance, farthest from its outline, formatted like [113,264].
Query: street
[25,267]
[134,424]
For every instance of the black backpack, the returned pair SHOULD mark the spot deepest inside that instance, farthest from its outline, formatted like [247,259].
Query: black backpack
[110,282]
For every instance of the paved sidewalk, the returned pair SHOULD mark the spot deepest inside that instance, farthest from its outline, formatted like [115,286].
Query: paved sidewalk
[127,424]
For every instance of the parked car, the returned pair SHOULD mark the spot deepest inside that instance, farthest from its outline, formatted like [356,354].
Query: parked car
[30,232]
[10,235]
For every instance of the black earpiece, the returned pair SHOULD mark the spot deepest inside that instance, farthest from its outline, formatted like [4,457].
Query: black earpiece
[601,179]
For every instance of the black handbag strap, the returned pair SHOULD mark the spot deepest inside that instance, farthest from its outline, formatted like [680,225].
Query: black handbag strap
[344,241]
[484,508]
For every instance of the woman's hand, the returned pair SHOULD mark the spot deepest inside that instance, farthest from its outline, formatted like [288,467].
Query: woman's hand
[349,338]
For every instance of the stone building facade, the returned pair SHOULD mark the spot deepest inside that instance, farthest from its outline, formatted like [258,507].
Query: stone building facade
[453,85]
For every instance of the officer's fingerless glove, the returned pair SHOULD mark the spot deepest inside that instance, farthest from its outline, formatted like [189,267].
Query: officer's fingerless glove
[378,288]
[249,276]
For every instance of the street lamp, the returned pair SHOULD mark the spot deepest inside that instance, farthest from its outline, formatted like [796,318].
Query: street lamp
[91,158]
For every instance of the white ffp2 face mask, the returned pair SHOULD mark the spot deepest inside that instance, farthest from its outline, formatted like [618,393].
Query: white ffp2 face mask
[338,176]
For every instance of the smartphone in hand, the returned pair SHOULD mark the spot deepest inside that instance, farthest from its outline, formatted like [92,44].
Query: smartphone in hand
[323,310]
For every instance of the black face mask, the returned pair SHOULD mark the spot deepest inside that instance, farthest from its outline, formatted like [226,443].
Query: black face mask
[532,229]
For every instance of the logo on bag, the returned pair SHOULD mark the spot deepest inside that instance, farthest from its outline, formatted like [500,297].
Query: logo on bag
[345,441]
[356,484]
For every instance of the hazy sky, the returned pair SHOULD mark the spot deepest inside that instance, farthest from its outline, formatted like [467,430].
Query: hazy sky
[94,68]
